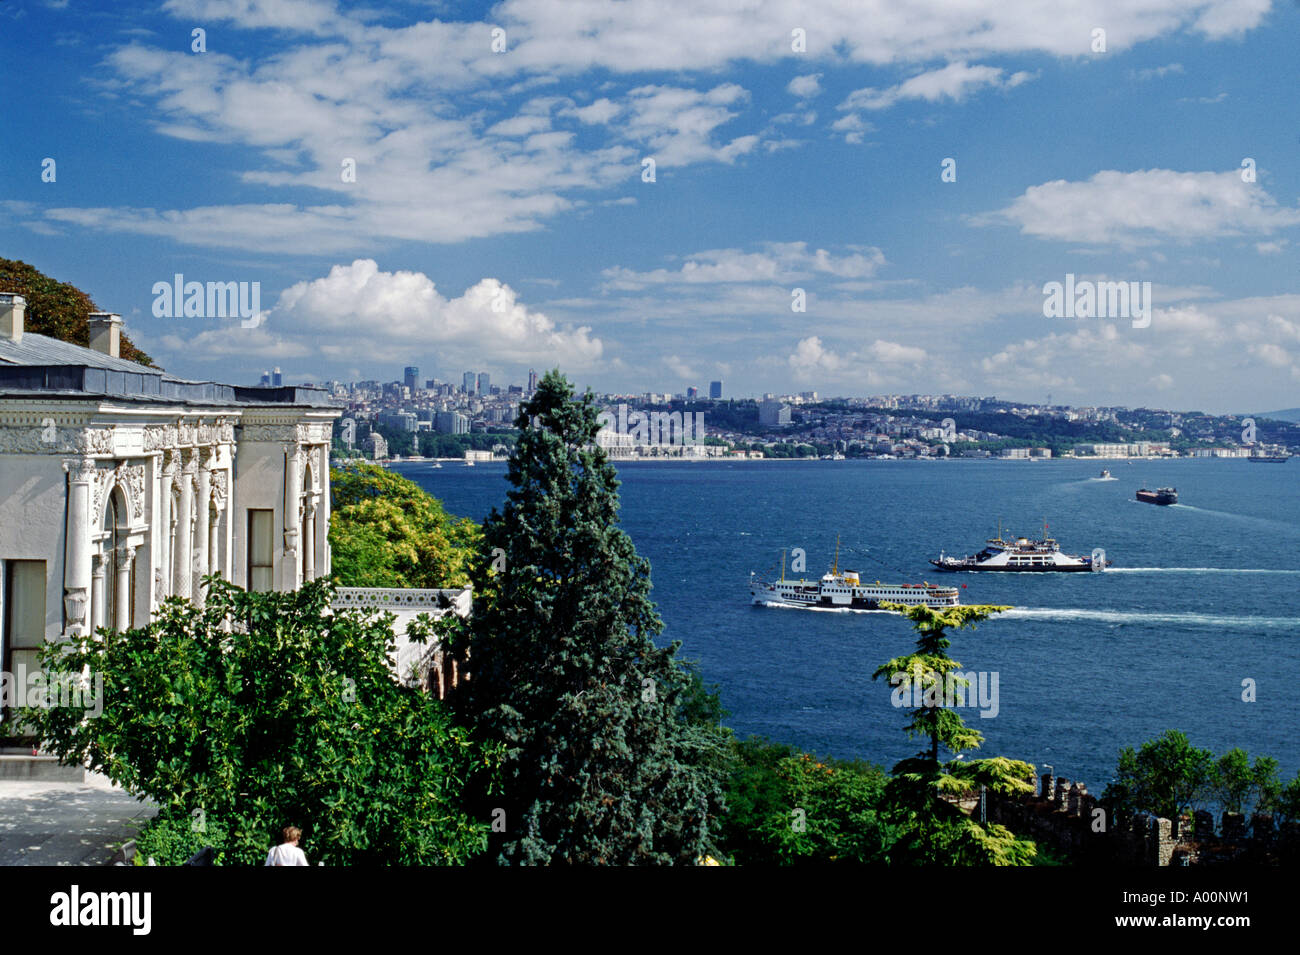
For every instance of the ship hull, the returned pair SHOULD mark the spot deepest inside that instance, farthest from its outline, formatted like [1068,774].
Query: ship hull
[1064,569]
[867,599]
[1163,500]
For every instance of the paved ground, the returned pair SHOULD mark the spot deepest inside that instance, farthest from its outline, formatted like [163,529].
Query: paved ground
[65,823]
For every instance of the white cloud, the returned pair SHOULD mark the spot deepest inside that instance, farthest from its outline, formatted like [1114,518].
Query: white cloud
[387,315]
[1158,72]
[1145,207]
[953,82]
[875,365]
[777,262]
[805,87]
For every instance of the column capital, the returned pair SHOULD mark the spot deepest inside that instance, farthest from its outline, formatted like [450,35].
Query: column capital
[81,470]
[189,460]
[124,556]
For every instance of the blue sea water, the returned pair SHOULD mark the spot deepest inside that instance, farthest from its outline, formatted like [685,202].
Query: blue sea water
[1203,595]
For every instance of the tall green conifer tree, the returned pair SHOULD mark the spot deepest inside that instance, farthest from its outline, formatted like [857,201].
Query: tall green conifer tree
[602,766]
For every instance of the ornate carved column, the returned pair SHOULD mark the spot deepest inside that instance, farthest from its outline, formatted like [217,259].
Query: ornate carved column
[203,520]
[216,540]
[324,510]
[292,504]
[98,595]
[165,521]
[184,543]
[125,557]
[309,542]
[76,552]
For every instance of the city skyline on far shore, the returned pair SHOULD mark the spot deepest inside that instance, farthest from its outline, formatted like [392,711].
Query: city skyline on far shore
[1097,203]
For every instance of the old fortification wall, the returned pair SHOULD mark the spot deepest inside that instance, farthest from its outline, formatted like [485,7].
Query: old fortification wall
[1063,815]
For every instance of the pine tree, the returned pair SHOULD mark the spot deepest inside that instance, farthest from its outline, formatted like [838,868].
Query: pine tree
[603,766]
[920,796]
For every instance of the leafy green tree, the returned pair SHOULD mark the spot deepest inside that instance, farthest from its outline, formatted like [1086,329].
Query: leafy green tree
[1166,776]
[922,793]
[57,309]
[263,710]
[785,807]
[602,766]
[386,531]
[1237,785]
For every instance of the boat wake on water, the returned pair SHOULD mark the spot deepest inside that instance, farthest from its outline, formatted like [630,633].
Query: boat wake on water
[1199,570]
[1140,617]
[785,606]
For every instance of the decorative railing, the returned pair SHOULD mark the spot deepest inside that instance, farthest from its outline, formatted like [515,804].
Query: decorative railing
[435,600]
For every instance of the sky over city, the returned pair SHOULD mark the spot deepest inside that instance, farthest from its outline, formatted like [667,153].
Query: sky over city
[817,195]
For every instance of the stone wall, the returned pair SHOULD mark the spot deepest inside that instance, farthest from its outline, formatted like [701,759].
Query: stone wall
[1064,816]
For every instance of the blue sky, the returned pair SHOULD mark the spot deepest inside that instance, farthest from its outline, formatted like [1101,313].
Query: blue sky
[499,219]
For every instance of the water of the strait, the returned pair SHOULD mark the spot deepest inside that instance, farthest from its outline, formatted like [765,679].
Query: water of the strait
[1202,596]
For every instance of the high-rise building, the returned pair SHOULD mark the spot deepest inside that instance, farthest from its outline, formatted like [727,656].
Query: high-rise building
[532,381]
[266,379]
[692,392]
[715,389]
[773,413]
[467,383]
[277,380]
[450,422]
[484,383]
[411,378]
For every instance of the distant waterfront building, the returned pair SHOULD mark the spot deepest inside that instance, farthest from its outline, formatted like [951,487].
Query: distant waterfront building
[378,446]
[399,421]
[125,485]
[773,413]
[1015,454]
[411,377]
[451,422]
[467,383]
[715,389]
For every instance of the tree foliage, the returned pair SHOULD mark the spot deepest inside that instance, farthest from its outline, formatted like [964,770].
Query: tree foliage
[57,309]
[604,764]
[1168,776]
[785,807]
[921,798]
[263,710]
[386,531]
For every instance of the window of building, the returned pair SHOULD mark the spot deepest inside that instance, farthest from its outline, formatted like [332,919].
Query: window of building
[261,555]
[22,623]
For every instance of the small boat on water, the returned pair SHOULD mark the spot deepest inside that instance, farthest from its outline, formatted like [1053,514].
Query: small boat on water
[1105,476]
[1268,458]
[1162,496]
[845,590]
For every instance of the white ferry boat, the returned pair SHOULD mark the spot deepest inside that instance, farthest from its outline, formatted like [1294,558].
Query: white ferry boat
[845,590]
[1021,555]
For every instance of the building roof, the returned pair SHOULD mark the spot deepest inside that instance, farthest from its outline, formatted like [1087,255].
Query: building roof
[48,366]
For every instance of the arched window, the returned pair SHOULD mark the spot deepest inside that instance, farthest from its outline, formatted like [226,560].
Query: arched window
[113,542]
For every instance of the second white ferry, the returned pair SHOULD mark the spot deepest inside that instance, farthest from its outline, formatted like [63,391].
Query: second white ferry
[845,590]
[1020,555]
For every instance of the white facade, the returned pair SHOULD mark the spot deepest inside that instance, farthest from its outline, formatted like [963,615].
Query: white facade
[121,486]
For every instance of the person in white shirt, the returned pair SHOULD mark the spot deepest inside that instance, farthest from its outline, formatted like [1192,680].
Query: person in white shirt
[288,853]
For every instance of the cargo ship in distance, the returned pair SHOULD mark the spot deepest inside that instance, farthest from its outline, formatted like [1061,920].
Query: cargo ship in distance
[845,590]
[1022,555]
[1162,496]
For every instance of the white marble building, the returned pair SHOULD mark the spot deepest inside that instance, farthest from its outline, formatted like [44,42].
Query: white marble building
[121,485]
